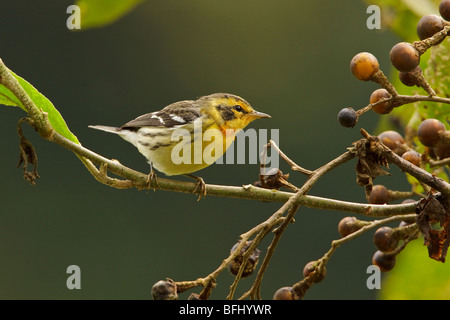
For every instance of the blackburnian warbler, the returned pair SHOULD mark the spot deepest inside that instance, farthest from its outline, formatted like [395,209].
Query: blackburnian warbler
[189,135]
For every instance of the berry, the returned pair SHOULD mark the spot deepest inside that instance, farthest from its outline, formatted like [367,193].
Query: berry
[165,290]
[285,293]
[251,263]
[384,107]
[444,9]
[442,152]
[310,267]
[347,226]
[413,157]
[409,78]
[428,132]
[393,140]
[383,239]
[431,152]
[385,262]
[379,195]
[347,117]
[364,65]
[429,25]
[404,57]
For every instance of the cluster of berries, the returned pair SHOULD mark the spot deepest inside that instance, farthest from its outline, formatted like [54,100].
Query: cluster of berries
[405,57]
[388,241]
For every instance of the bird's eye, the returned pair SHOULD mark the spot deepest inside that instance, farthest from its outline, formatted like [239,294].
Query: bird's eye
[238,108]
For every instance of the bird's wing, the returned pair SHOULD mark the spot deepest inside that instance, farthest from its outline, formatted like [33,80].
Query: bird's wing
[175,114]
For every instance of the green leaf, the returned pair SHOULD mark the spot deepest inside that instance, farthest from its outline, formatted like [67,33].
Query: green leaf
[98,13]
[56,120]
[7,98]
[437,74]
[416,276]
[401,17]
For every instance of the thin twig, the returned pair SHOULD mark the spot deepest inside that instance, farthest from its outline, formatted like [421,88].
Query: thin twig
[292,164]
[400,100]
[248,192]
[276,223]
[406,166]
[439,163]
[302,286]
[293,207]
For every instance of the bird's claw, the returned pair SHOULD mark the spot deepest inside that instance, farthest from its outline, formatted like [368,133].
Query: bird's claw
[152,177]
[200,187]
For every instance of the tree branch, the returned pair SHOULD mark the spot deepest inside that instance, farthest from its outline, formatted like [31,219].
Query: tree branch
[99,166]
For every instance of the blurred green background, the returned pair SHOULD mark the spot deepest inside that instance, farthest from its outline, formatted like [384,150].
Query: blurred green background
[288,58]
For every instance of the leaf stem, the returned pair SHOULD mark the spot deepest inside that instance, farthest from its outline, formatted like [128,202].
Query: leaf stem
[10,82]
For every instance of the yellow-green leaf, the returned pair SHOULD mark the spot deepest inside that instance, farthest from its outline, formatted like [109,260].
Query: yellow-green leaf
[98,13]
[416,276]
[56,120]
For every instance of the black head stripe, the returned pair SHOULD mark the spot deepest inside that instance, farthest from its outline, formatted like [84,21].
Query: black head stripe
[226,113]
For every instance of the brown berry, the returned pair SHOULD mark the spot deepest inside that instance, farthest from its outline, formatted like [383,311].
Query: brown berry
[165,290]
[442,152]
[364,65]
[347,226]
[444,9]
[379,195]
[251,263]
[428,132]
[429,25]
[393,140]
[384,261]
[384,107]
[412,156]
[409,78]
[311,267]
[285,293]
[404,57]
[383,239]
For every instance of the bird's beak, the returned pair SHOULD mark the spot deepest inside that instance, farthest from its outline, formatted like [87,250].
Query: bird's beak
[259,115]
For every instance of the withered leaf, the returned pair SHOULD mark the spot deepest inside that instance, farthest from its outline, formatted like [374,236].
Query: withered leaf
[370,163]
[433,211]
[274,179]
[27,156]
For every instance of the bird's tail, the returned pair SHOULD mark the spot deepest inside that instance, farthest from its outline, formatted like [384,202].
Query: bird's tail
[127,135]
[106,128]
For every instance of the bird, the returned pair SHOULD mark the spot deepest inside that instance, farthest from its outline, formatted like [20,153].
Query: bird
[173,138]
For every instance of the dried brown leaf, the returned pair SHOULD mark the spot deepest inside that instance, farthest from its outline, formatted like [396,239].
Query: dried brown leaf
[433,220]
[27,156]
[370,162]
